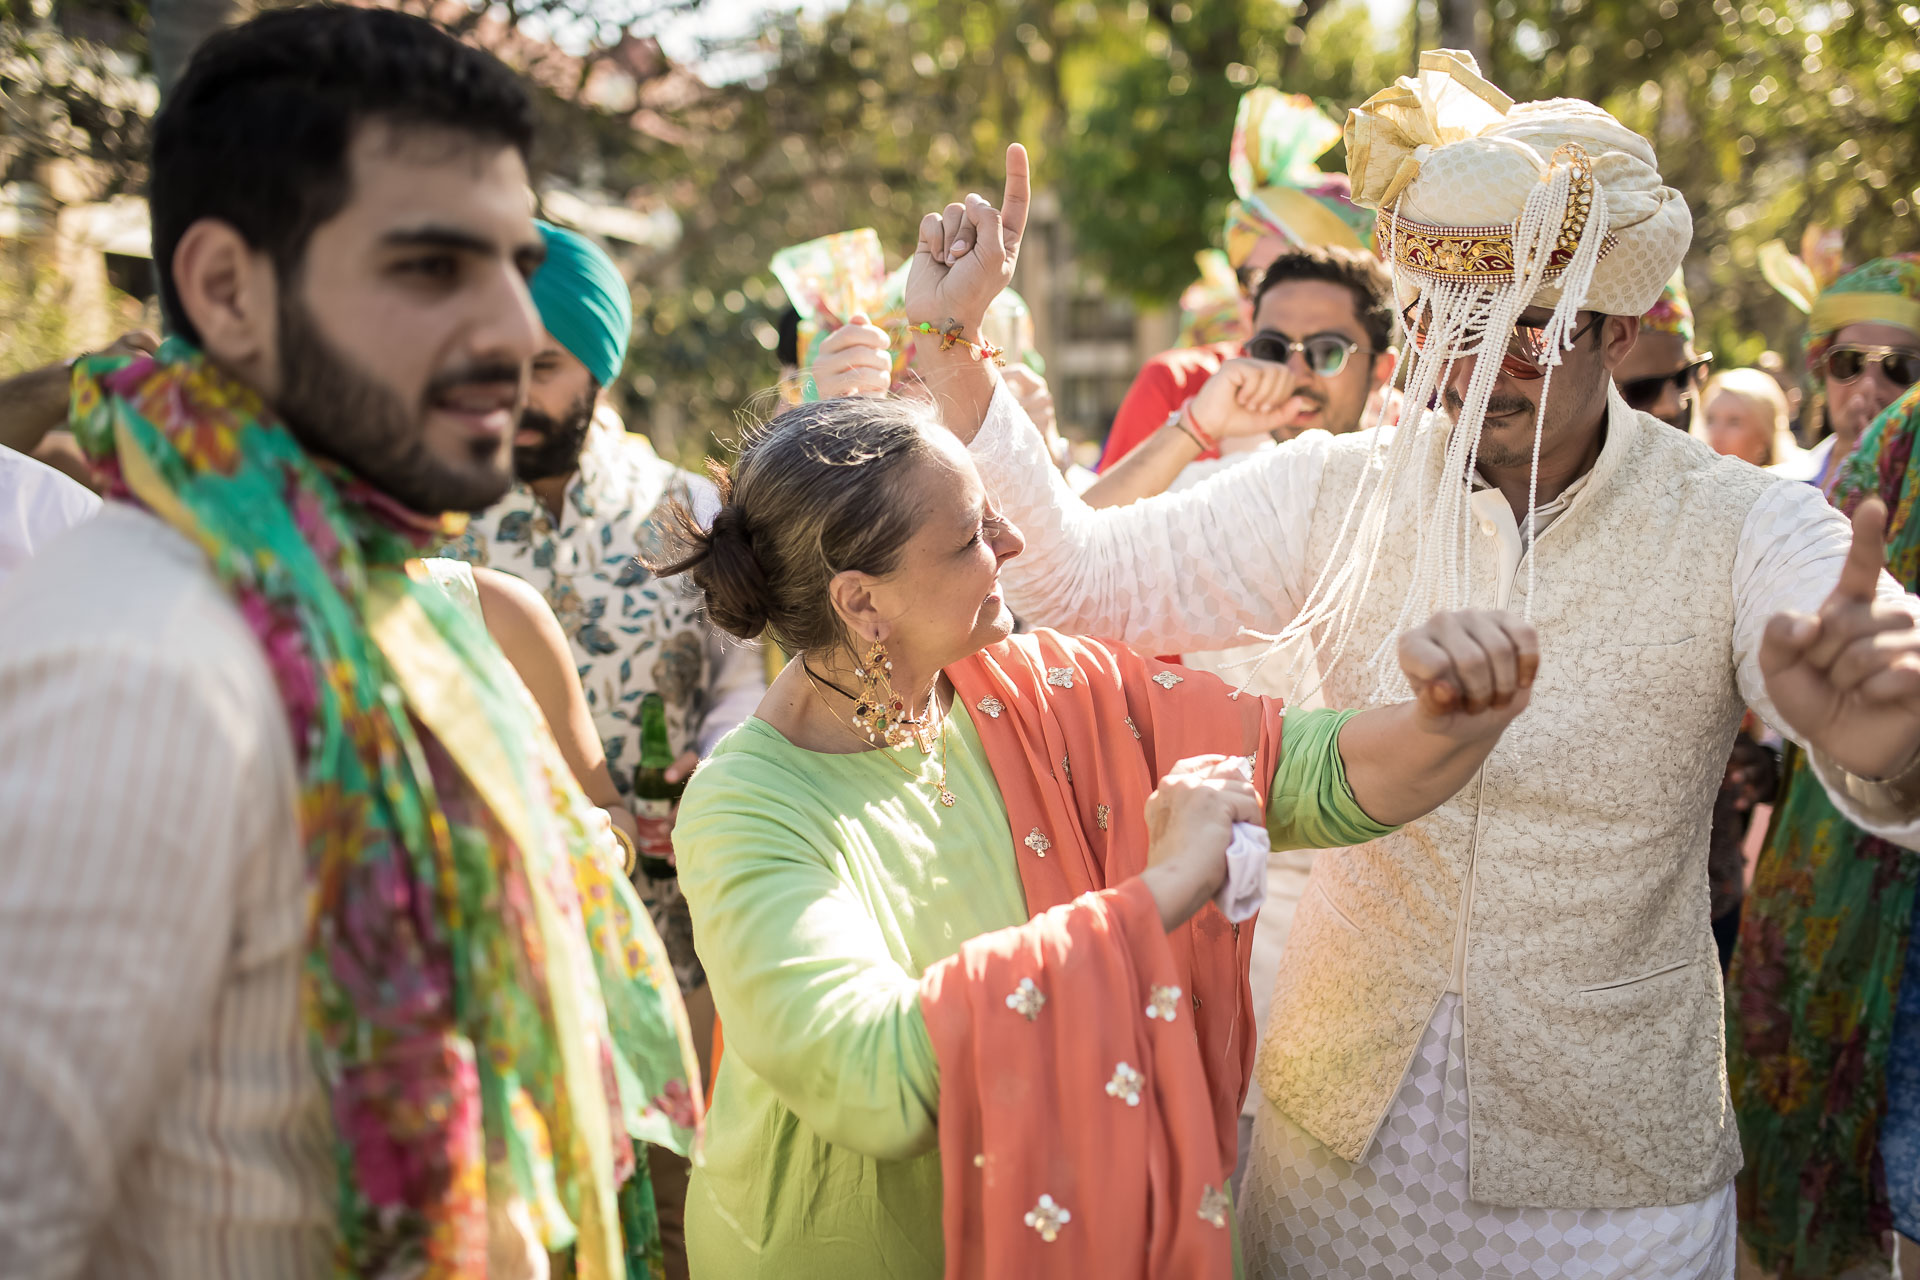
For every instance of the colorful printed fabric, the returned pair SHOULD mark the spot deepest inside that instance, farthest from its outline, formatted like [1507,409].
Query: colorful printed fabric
[489,1012]
[1277,137]
[631,633]
[1815,979]
[1671,314]
[1885,291]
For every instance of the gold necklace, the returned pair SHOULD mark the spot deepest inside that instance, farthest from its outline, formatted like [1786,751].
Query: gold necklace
[940,784]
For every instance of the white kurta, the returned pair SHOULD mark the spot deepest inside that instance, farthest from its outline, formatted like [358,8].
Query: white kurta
[1404,1212]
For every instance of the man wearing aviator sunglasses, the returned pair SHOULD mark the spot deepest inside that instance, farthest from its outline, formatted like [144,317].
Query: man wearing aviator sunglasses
[1863,351]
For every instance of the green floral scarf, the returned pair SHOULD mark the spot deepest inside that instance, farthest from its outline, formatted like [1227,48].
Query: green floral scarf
[1816,973]
[490,1011]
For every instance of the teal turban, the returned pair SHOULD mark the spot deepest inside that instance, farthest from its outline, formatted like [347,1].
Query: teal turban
[584,301]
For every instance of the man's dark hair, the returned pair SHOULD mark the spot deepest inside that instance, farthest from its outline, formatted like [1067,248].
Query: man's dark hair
[256,131]
[1356,270]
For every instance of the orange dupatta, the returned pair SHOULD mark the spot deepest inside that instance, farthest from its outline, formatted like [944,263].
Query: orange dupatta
[1035,1083]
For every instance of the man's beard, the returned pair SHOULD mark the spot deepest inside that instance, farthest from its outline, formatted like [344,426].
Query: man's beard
[1492,452]
[338,411]
[561,440]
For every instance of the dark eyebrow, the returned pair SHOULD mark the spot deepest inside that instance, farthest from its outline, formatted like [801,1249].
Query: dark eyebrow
[528,255]
[439,238]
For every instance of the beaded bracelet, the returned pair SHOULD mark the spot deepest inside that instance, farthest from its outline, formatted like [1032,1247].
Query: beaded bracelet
[956,333]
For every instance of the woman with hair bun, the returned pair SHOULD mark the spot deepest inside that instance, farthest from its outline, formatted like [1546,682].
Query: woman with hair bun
[956,890]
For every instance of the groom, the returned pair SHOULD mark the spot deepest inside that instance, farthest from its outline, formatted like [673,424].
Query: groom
[1496,1040]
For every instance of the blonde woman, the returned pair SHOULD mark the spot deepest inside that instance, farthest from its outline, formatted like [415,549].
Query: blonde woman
[1746,417]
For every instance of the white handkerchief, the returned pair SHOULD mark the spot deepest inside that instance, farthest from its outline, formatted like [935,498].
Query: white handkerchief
[1245,888]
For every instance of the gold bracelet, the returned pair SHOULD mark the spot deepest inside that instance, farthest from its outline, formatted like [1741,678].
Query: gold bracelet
[626,847]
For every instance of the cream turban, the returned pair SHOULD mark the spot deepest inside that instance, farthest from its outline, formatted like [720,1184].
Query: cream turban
[1486,208]
[1444,153]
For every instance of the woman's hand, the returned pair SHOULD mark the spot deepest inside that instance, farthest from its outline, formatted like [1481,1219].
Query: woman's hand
[967,253]
[853,360]
[1190,818]
[1471,671]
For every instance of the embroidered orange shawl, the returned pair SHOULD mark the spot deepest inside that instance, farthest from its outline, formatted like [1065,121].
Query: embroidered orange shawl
[1092,1065]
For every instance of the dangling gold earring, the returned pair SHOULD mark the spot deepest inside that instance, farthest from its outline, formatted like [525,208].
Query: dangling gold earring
[878,710]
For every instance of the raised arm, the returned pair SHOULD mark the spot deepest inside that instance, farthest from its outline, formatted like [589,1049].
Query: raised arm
[1471,673]
[1827,647]
[1183,571]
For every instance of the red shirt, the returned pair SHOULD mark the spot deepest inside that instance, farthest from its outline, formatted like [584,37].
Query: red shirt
[1163,385]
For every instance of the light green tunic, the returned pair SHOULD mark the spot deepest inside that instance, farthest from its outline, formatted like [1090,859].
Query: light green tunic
[822,887]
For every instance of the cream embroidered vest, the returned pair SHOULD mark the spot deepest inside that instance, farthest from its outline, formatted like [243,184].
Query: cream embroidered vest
[1596,1068]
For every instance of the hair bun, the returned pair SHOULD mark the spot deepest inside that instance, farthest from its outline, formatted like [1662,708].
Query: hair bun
[731,576]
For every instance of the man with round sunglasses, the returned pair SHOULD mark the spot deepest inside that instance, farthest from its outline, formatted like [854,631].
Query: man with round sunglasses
[1662,373]
[1322,348]
[1505,1023]
[1863,350]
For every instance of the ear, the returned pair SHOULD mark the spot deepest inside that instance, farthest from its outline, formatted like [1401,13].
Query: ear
[852,595]
[1383,366]
[1617,336]
[229,291]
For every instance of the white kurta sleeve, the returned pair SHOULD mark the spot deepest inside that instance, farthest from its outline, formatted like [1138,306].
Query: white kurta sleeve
[1181,571]
[1789,558]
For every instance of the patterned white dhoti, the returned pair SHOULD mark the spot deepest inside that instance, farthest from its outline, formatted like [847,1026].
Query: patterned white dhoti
[1403,1212]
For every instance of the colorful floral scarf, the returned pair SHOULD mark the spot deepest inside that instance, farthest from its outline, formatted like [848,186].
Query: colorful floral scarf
[1816,973]
[490,1011]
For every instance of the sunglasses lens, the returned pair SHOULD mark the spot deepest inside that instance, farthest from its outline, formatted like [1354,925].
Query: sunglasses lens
[1844,365]
[1901,368]
[1264,348]
[1326,356]
[1642,393]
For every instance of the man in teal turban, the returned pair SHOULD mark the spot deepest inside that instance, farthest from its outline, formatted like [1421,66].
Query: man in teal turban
[589,505]
[587,309]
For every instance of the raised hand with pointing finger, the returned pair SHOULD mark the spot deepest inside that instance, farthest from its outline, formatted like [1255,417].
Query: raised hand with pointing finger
[966,254]
[1847,679]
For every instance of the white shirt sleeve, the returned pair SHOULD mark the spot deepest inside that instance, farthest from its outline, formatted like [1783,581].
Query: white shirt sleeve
[37,504]
[130,791]
[1791,550]
[1181,571]
[738,682]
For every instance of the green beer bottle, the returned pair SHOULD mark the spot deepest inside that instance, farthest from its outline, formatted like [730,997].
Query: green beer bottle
[653,795]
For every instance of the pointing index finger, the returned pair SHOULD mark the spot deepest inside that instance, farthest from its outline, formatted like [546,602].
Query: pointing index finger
[1013,205]
[1866,554]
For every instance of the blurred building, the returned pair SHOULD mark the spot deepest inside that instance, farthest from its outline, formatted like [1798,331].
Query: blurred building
[1092,341]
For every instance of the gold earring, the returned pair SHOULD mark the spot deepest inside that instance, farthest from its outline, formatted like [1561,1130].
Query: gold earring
[878,710]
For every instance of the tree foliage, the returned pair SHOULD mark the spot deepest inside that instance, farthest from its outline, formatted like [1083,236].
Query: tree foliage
[1768,116]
